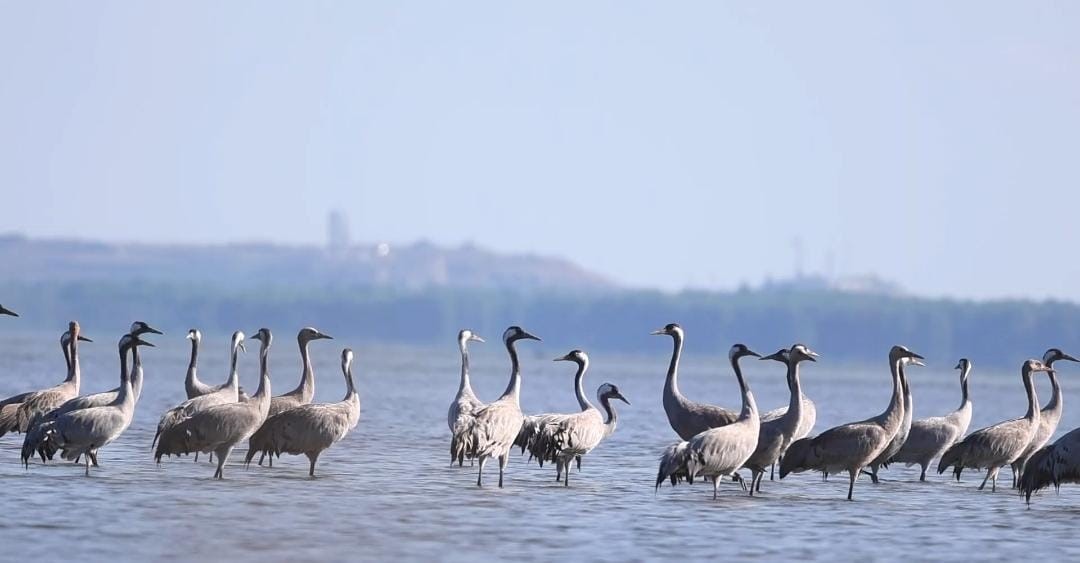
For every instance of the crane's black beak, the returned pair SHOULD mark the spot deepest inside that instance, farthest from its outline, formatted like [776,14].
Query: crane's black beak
[151,330]
[8,312]
[84,339]
[322,336]
[140,342]
[621,398]
[1065,356]
[658,332]
[528,336]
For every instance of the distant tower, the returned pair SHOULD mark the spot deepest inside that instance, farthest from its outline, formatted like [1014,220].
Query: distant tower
[337,231]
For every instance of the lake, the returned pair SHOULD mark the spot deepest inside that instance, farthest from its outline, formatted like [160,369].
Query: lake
[387,490]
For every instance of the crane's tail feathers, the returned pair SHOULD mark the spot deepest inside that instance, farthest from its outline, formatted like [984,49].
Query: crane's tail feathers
[35,439]
[674,465]
[9,420]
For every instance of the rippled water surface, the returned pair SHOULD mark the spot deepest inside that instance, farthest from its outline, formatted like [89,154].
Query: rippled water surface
[387,490]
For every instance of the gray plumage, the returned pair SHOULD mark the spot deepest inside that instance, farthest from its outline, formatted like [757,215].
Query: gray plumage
[83,432]
[40,402]
[717,452]
[996,446]
[562,438]
[774,436]
[1055,465]
[492,430]
[930,437]
[34,440]
[850,447]
[218,428]
[9,407]
[309,429]
[688,418]
[1049,416]
[901,436]
[303,393]
[225,395]
[465,402]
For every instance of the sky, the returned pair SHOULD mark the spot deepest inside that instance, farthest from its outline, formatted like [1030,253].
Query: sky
[696,144]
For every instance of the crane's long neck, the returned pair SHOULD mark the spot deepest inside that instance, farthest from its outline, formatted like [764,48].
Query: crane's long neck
[65,345]
[234,374]
[350,387]
[1033,399]
[307,378]
[671,386]
[125,396]
[749,406]
[465,383]
[965,398]
[894,413]
[192,377]
[906,385]
[513,388]
[612,416]
[262,394]
[795,403]
[75,373]
[136,372]
[579,386]
[1056,398]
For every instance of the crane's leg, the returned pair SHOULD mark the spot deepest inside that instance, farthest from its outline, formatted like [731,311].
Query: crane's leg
[772,468]
[93,458]
[502,467]
[854,474]
[993,481]
[566,477]
[86,462]
[922,476]
[262,454]
[715,486]
[558,470]
[313,456]
[753,481]
[480,473]
[985,479]
[223,455]
[761,477]
[196,457]
[579,464]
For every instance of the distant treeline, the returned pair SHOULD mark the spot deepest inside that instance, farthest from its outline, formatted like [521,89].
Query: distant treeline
[845,326]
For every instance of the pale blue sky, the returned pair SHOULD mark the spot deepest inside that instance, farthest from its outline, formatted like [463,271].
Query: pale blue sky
[935,144]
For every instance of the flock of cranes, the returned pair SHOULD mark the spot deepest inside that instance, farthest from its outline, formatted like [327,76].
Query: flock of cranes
[214,419]
[716,443]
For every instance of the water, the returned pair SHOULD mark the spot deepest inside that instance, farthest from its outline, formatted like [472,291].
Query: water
[386,491]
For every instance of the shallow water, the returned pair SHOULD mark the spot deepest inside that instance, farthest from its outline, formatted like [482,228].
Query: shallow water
[387,490]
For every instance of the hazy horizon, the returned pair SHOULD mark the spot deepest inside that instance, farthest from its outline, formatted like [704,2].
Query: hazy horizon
[698,146]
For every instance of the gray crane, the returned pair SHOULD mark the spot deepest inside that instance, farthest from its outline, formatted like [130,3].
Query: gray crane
[562,438]
[901,436]
[9,407]
[83,432]
[1049,416]
[930,437]
[465,403]
[996,446]
[34,440]
[312,428]
[41,402]
[777,434]
[850,447]
[1054,465]
[303,393]
[491,432]
[228,394]
[688,418]
[716,452]
[219,428]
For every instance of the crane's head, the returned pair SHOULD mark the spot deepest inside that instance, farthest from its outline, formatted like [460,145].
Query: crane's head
[964,365]
[670,329]
[801,353]
[65,338]
[898,353]
[238,341]
[263,335]
[467,335]
[610,391]
[739,351]
[307,334]
[194,335]
[577,356]
[139,328]
[8,312]
[128,341]
[346,361]
[781,355]
[1033,365]
[1054,354]
[515,333]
